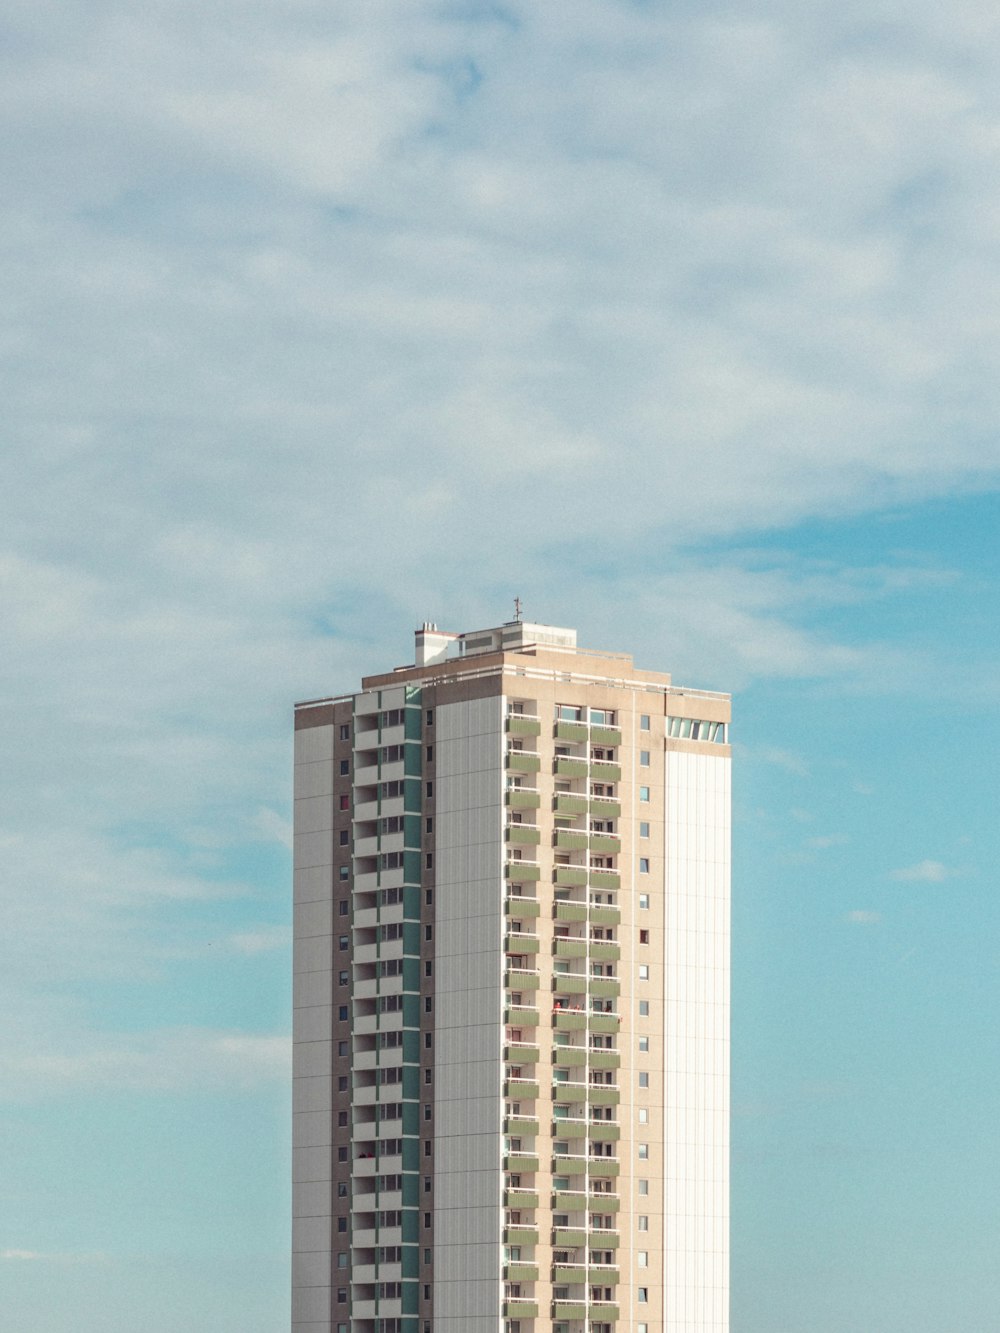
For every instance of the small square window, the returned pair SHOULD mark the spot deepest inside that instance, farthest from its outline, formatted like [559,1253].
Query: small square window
[343,907]
[644,901]
[341,1117]
[345,837]
[345,801]
[643,865]
[428,825]
[343,978]
[345,767]
[342,1154]
[642,1258]
[643,1295]
[643,1152]
[643,793]
[643,1008]
[644,1044]
[341,1189]
[430,789]
[430,754]
[643,1223]
[643,1080]
[644,758]
[643,1186]
[345,732]
[643,829]
[343,943]
[342,1083]
[344,872]
[643,936]
[342,1013]
[343,1048]
[643,971]
[643,1117]
[341,1223]
[643,721]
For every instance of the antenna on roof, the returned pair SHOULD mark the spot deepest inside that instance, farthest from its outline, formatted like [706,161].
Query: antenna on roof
[517,610]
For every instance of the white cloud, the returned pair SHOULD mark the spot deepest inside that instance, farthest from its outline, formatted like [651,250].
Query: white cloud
[929,872]
[863,917]
[827,840]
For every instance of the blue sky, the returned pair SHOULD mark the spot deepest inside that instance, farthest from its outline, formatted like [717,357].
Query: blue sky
[679,321]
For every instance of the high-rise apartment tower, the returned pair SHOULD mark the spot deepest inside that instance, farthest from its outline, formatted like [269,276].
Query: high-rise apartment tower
[511,1097]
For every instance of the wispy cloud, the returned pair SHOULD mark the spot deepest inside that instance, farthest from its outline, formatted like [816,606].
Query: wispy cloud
[827,840]
[928,872]
[251,942]
[863,917]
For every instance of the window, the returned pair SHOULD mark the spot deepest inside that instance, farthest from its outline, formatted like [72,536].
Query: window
[428,1039]
[643,865]
[341,1117]
[343,907]
[427,1256]
[428,1004]
[343,978]
[427,1148]
[429,825]
[643,1295]
[642,1258]
[643,1223]
[342,1013]
[643,1152]
[341,1223]
[345,801]
[429,860]
[429,897]
[428,969]
[342,1259]
[345,732]
[343,1048]
[342,1083]
[428,1110]
[345,767]
[427,1184]
[344,872]
[644,1080]
[643,829]
[430,717]
[643,971]
[430,754]
[345,837]
[644,758]
[430,789]
[643,1186]
[644,722]
[643,1043]
[428,932]
[341,1295]
[644,901]
[643,1008]
[643,1118]
[427,1219]
[428,1075]
[643,793]
[643,936]
[342,943]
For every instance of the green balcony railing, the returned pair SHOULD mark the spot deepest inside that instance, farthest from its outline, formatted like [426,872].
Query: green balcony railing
[517,978]
[569,1129]
[520,1053]
[569,1166]
[565,767]
[569,983]
[525,1235]
[521,1089]
[604,1059]
[567,1238]
[515,1309]
[523,761]
[564,947]
[564,911]
[602,1311]
[600,735]
[569,803]
[520,941]
[604,1022]
[520,725]
[605,879]
[605,951]
[571,731]
[523,872]
[602,915]
[574,876]
[605,988]
[603,807]
[524,835]
[569,1057]
[567,1201]
[520,1161]
[522,908]
[521,1124]
[603,1203]
[523,798]
[571,840]
[521,1272]
[604,1168]
[575,1310]
[603,1131]
[569,1020]
[602,771]
[605,843]
[521,1015]
[601,1094]
[518,1198]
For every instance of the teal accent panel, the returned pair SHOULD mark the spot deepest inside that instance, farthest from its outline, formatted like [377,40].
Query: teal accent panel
[411,937]
[411,1082]
[411,1046]
[409,1325]
[411,902]
[411,1189]
[411,1117]
[411,831]
[411,1261]
[412,796]
[411,866]
[413,759]
[411,1154]
[412,722]
[411,1011]
[411,1225]
[411,1297]
[411,974]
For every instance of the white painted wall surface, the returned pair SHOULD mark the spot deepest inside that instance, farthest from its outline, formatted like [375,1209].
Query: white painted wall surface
[696,1044]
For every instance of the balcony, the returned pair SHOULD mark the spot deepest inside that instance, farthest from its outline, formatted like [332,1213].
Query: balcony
[575,732]
[573,876]
[520,942]
[522,872]
[565,767]
[522,798]
[564,1165]
[569,1275]
[605,843]
[521,1272]
[521,1089]
[605,1273]
[570,983]
[569,1020]
[524,1235]
[524,835]
[569,1057]
[602,735]
[565,947]
[567,911]
[520,1309]
[604,1168]
[520,1198]
[521,978]
[520,1161]
[520,724]
[605,807]
[521,1124]
[606,1311]
[604,1022]
[601,915]
[520,1015]
[605,951]
[568,1238]
[605,879]
[605,988]
[521,907]
[523,761]
[607,1240]
[520,1053]
[603,1094]
[569,1201]
[602,771]
[601,1058]
[569,1129]
[575,1310]
[603,1131]
[569,803]
[603,1203]
[571,840]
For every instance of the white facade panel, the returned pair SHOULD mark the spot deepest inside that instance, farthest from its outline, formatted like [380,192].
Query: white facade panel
[468,933]
[696,1043]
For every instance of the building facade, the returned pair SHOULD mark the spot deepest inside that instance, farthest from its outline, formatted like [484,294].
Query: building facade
[511,1025]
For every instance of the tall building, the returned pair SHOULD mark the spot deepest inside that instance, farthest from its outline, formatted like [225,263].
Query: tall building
[511,1100]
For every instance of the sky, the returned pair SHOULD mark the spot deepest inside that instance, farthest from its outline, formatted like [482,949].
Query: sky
[678,321]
